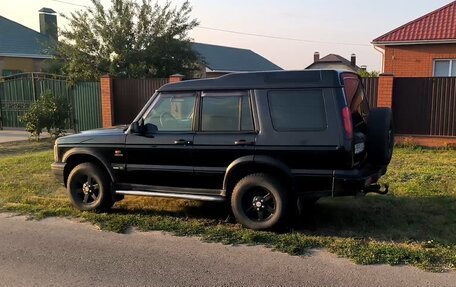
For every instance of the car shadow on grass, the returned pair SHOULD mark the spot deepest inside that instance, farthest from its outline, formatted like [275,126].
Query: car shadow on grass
[384,218]
[388,218]
[171,207]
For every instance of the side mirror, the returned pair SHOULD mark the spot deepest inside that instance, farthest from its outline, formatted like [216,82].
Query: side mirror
[138,127]
[150,129]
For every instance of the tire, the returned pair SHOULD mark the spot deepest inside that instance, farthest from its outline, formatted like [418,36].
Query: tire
[380,136]
[89,188]
[260,202]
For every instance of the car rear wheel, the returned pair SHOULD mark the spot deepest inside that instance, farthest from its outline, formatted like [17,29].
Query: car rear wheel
[89,188]
[380,136]
[259,202]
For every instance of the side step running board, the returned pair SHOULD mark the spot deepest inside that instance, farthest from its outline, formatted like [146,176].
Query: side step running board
[172,195]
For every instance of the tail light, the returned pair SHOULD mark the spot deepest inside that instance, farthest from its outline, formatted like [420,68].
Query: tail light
[348,126]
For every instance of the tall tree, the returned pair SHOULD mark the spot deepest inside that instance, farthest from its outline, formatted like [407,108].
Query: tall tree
[128,39]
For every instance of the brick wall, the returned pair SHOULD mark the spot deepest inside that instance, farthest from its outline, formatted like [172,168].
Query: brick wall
[385,90]
[416,60]
[107,112]
[428,141]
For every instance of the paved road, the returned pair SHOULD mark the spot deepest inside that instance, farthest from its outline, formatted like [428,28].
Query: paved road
[12,135]
[60,252]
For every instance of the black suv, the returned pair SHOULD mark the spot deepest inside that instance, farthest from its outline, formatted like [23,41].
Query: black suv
[266,142]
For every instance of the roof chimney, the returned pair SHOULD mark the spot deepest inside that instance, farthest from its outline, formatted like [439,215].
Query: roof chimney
[316,57]
[48,23]
[353,59]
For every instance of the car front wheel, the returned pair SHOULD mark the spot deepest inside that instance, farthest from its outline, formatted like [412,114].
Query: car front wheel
[89,188]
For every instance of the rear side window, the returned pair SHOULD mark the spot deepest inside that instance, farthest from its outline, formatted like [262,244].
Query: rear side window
[297,110]
[226,112]
[356,99]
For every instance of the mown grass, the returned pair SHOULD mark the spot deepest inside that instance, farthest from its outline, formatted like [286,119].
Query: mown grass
[415,224]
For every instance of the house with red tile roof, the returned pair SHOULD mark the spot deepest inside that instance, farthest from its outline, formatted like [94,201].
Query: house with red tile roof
[424,47]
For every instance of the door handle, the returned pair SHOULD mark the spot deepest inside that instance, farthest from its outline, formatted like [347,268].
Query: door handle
[244,142]
[182,142]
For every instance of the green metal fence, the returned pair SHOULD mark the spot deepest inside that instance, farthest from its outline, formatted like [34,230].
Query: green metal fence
[87,105]
[18,92]
[16,96]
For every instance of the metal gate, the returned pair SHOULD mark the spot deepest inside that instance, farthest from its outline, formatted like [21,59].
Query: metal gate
[16,96]
[19,91]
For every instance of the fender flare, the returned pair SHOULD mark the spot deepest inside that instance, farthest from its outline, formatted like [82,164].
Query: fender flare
[86,151]
[258,160]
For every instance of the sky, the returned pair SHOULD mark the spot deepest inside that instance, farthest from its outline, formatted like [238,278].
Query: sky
[326,26]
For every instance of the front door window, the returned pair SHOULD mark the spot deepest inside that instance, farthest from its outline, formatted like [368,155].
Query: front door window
[171,112]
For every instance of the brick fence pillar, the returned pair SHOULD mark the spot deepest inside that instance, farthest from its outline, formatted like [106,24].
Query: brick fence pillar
[385,90]
[176,78]
[107,101]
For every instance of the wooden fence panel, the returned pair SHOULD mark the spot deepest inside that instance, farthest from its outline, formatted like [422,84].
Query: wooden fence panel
[130,95]
[443,107]
[371,89]
[425,106]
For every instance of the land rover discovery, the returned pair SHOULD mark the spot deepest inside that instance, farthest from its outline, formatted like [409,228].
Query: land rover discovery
[260,141]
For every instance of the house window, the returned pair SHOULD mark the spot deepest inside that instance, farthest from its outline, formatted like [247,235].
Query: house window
[445,68]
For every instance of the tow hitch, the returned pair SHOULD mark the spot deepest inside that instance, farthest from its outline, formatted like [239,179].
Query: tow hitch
[376,188]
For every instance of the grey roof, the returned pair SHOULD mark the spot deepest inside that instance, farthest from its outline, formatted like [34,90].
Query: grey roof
[261,80]
[333,58]
[17,40]
[221,58]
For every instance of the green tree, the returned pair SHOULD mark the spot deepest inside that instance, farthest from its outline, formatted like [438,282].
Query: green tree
[48,112]
[128,39]
[367,74]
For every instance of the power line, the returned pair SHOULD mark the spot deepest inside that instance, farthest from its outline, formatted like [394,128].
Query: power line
[280,38]
[250,34]
[71,3]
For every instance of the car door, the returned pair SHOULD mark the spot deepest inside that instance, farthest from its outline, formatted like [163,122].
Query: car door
[161,155]
[225,133]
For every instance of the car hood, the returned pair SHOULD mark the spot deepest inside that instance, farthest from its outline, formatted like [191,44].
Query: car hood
[113,135]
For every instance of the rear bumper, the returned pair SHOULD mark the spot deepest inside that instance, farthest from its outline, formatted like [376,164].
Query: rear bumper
[58,171]
[350,182]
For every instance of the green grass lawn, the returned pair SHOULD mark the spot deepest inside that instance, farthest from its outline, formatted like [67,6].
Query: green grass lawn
[415,224]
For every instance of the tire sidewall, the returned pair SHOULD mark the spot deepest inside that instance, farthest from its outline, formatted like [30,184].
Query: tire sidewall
[380,136]
[98,175]
[267,183]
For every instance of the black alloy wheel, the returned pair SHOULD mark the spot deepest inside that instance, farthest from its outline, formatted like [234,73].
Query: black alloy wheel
[89,188]
[260,202]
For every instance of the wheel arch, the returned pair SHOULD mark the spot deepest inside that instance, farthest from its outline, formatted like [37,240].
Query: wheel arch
[77,156]
[244,166]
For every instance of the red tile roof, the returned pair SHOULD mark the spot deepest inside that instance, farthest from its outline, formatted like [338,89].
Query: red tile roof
[437,26]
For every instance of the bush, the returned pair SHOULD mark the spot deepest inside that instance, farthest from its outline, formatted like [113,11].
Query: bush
[366,74]
[50,113]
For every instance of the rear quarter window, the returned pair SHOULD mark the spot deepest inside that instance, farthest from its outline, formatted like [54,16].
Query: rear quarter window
[297,110]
